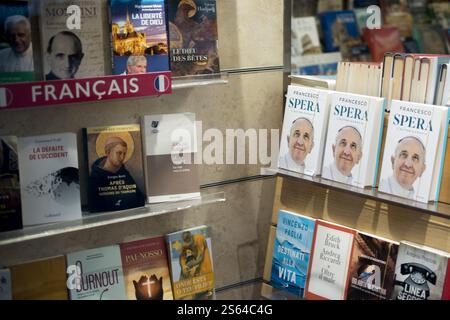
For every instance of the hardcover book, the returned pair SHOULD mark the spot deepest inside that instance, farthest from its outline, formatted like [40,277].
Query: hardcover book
[304,130]
[193,37]
[328,273]
[139,36]
[372,268]
[191,264]
[414,151]
[354,139]
[5,284]
[116,179]
[170,145]
[304,37]
[16,47]
[10,210]
[96,274]
[70,53]
[40,280]
[146,270]
[49,178]
[291,252]
[340,28]
[419,272]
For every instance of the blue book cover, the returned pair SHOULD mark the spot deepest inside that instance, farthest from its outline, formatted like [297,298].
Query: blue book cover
[96,274]
[339,27]
[139,36]
[291,252]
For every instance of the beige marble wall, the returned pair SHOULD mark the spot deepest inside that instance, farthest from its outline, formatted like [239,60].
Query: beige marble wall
[250,35]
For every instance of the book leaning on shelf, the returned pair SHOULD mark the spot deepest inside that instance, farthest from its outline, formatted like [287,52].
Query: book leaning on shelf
[191,264]
[49,178]
[419,272]
[114,156]
[414,152]
[170,145]
[354,139]
[16,53]
[10,209]
[96,274]
[291,252]
[71,53]
[328,274]
[139,36]
[304,130]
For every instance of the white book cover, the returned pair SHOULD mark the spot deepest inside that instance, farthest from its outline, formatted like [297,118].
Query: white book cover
[170,144]
[304,130]
[415,139]
[49,178]
[328,273]
[70,53]
[305,37]
[5,285]
[354,139]
[419,272]
[96,274]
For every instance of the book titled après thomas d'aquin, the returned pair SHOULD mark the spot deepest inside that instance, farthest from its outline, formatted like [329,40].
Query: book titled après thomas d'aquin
[116,181]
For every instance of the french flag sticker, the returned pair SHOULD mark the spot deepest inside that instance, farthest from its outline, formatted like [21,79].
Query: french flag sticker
[3,98]
[162,83]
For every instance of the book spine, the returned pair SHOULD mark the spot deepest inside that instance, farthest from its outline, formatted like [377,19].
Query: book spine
[444,148]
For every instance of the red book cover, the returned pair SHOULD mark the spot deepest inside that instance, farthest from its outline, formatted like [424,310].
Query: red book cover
[446,291]
[328,274]
[380,41]
[146,269]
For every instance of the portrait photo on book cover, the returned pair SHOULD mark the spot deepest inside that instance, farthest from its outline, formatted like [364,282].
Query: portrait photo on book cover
[114,179]
[407,164]
[342,156]
[297,143]
[64,56]
[16,54]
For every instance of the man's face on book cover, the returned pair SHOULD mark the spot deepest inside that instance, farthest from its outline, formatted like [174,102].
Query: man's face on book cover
[347,150]
[408,162]
[301,140]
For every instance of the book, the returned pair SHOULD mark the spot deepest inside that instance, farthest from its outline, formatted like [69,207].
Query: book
[372,268]
[446,290]
[328,274]
[10,208]
[430,39]
[193,37]
[339,28]
[443,90]
[304,37]
[49,178]
[72,53]
[354,139]
[139,36]
[414,151]
[5,284]
[114,156]
[316,64]
[291,252]
[146,270]
[319,82]
[97,274]
[191,264]
[419,272]
[16,45]
[170,145]
[396,13]
[304,130]
[40,280]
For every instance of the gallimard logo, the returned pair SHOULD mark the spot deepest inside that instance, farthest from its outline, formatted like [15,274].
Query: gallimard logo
[413,120]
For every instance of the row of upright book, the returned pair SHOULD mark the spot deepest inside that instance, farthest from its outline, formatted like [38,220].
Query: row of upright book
[127,168]
[316,259]
[72,38]
[176,266]
[339,136]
